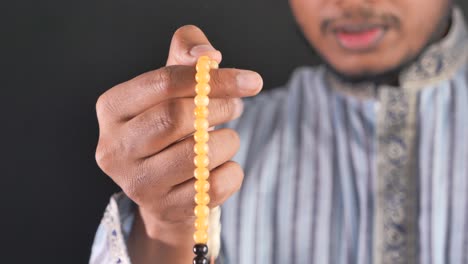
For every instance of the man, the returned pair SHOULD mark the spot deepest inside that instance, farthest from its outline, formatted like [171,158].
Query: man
[363,160]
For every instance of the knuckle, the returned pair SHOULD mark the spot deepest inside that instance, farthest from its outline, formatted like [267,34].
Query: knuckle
[160,122]
[216,81]
[188,154]
[111,154]
[100,105]
[105,158]
[175,110]
[167,118]
[132,176]
[104,106]
[160,80]
[133,183]
[227,108]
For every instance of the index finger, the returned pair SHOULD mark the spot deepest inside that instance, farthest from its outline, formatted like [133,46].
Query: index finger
[127,100]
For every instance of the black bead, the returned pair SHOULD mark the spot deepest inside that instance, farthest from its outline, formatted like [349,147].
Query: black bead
[200,249]
[200,260]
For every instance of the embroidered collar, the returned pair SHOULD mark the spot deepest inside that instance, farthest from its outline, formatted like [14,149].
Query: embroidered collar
[438,62]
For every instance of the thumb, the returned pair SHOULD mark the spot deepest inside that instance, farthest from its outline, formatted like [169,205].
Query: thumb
[188,43]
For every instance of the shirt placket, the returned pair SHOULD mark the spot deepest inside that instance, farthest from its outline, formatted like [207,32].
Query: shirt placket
[396,232]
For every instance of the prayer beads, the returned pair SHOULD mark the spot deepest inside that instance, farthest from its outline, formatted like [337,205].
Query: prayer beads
[201,160]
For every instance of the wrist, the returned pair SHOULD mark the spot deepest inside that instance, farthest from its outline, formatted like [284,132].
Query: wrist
[168,232]
[152,240]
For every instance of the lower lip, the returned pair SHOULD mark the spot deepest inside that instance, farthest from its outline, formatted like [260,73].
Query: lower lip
[360,41]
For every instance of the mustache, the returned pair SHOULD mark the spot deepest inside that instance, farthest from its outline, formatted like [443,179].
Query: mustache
[364,16]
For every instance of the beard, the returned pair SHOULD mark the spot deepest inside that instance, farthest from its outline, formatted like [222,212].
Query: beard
[391,75]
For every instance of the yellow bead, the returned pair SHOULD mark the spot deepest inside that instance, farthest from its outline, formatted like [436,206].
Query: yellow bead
[201,124]
[201,161]
[201,174]
[201,100]
[201,112]
[201,211]
[201,136]
[202,77]
[202,88]
[203,59]
[200,237]
[201,148]
[202,199]
[214,64]
[203,67]
[201,223]
[202,186]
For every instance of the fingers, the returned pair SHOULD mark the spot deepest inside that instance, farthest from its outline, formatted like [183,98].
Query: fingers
[156,175]
[131,98]
[128,99]
[225,180]
[175,164]
[145,123]
[170,121]
[188,43]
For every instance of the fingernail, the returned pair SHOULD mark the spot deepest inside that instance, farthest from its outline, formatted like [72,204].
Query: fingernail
[238,107]
[200,50]
[249,80]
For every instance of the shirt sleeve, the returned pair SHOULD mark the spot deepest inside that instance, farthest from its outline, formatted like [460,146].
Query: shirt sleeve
[110,241]
[109,244]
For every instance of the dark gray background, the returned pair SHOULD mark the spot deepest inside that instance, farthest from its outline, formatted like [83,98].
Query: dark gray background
[57,57]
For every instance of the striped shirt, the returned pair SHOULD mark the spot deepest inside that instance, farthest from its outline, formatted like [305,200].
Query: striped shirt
[340,173]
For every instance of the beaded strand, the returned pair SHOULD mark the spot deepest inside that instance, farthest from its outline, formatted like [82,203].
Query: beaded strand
[201,160]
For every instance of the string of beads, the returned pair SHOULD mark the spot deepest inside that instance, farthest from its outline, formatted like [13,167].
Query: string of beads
[201,160]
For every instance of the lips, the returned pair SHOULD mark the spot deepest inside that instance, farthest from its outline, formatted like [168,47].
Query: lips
[359,38]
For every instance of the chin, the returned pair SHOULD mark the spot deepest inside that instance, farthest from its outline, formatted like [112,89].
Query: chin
[387,75]
[363,64]
[366,68]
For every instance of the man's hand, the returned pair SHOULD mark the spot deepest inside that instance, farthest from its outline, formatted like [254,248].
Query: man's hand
[146,148]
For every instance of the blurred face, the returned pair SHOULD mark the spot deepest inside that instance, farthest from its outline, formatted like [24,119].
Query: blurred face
[370,37]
